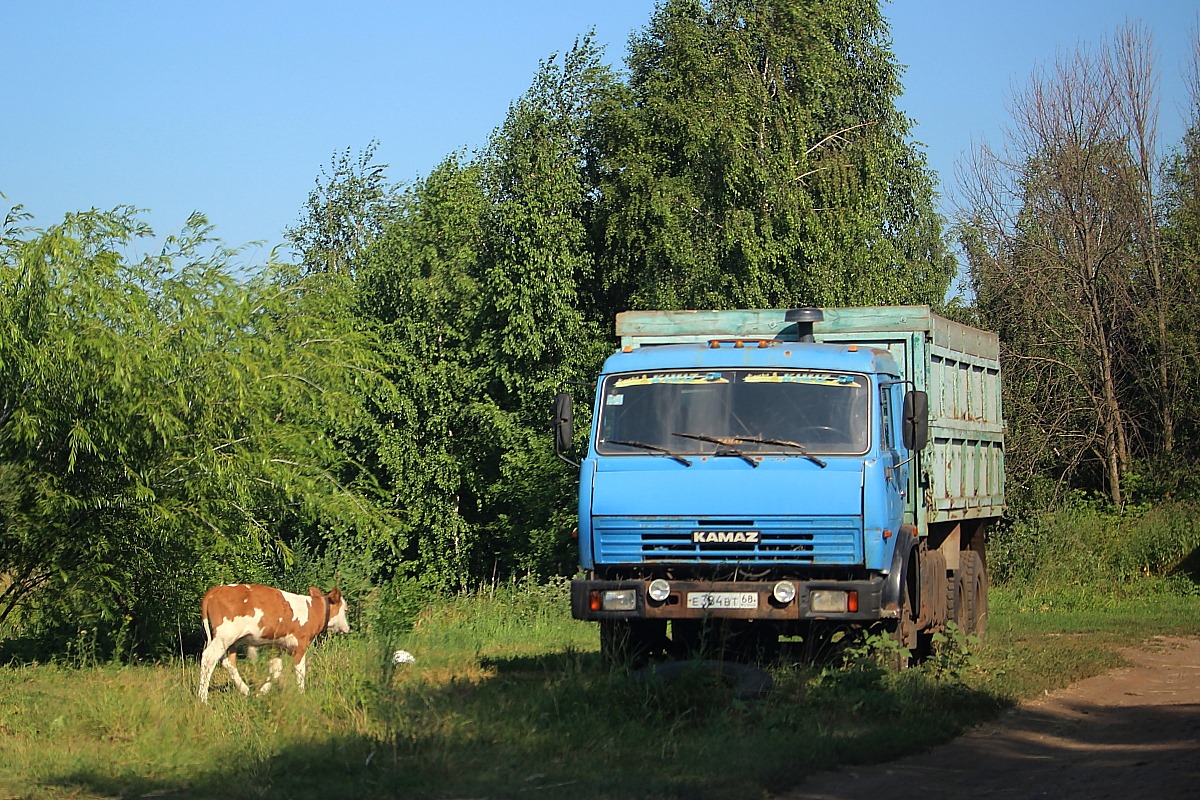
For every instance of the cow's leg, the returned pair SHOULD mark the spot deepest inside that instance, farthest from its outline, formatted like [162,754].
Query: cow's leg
[276,671]
[208,662]
[230,664]
[300,670]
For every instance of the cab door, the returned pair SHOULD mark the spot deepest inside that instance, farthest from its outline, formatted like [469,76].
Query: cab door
[895,457]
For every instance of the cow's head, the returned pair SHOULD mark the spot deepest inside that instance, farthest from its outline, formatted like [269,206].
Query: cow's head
[337,612]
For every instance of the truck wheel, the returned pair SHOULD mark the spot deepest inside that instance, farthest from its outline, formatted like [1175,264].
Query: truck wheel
[962,584]
[903,630]
[975,593]
[954,599]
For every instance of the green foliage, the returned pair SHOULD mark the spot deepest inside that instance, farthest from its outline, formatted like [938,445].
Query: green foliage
[1082,255]
[1181,240]
[162,426]
[418,291]
[1107,553]
[473,287]
[757,159]
[954,657]
[344,213]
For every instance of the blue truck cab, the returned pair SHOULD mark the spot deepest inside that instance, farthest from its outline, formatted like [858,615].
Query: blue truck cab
[751,475]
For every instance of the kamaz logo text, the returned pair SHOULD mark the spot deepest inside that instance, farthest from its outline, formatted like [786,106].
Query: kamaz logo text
[725,537]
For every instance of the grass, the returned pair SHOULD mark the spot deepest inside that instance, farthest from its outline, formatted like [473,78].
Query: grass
[508,699]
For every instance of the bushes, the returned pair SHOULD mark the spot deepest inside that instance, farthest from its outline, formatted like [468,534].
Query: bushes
[1086,545]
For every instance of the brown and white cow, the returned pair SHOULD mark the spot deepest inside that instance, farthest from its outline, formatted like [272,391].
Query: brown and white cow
[260,616]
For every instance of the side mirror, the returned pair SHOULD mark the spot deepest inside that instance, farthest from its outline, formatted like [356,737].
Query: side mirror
[915,425]
[564,424]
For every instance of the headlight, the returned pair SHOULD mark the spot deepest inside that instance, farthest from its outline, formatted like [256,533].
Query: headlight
[784,592]
[619,600]
[828,601]
[659,590]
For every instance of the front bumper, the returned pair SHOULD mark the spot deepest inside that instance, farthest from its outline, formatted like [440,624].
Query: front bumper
[587,604]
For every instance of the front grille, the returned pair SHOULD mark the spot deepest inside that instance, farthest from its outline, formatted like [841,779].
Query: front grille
[790,540]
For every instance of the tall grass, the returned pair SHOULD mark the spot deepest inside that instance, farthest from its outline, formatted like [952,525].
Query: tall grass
[508,698]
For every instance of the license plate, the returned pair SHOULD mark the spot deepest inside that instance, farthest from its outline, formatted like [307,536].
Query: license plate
[722,600]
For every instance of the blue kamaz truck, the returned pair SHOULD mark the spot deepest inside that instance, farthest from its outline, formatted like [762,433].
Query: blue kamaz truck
[754,476]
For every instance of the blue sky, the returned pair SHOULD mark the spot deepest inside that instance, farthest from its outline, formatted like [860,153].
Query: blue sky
[232,108]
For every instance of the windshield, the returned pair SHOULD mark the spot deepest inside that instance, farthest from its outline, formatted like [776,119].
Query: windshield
[703,412]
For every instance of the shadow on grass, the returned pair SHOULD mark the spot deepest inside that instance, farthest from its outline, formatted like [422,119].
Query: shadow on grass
[557,663]
[559,725]
[1139,750]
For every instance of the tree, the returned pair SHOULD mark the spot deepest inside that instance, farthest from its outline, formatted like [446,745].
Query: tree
[754,156]
[757,159]
[1061,233]
[535,334]
[160,425]
[345,212]
[1181,245]
[418,287]
[475,285]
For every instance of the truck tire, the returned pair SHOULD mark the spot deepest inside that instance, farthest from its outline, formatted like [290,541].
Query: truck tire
[953,597]
[903,630]
[971,594]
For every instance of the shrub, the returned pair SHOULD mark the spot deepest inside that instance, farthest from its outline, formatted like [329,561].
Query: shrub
[1087,545]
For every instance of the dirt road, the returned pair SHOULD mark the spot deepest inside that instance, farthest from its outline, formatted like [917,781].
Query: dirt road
[1130,733]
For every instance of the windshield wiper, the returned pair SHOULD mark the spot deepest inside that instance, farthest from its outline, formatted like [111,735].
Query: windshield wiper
[783,443]
[654,447]
[726,442]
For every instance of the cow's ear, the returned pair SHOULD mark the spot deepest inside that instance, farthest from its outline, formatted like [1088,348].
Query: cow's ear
[335,595]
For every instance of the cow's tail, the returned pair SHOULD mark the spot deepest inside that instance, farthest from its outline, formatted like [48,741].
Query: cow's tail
[204,620]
